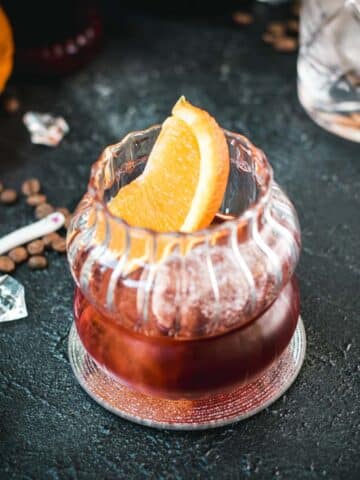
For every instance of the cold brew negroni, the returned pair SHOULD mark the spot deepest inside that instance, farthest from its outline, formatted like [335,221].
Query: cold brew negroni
[183,252]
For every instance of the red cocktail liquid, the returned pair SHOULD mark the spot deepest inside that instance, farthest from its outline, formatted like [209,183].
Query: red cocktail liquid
[175,369]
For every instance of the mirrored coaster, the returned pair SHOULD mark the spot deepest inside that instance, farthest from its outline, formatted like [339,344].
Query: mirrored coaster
[209,412]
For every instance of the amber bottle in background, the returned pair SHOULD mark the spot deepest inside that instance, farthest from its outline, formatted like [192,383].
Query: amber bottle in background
[54,38]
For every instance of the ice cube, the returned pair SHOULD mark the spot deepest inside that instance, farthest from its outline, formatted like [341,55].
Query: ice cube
[45,129]
[12,299]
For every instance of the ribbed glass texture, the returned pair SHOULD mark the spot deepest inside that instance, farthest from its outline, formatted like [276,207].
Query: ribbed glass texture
[184,285]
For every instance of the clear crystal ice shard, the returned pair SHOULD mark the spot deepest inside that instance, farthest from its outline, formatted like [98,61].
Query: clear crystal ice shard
[45,129]
[12,299]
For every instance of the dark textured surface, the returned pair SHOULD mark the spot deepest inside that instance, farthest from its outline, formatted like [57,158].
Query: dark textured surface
[50,429]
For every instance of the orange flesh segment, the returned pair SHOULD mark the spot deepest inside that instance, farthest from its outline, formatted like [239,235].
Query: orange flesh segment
[151,200]
[183,184]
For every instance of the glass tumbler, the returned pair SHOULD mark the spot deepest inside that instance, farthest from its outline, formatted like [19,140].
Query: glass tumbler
[186,330]
[329,64]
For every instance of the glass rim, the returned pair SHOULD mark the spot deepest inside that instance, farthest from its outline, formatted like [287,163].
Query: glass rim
[251,212]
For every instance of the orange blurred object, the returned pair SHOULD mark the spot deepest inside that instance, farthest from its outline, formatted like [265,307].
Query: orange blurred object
[6,49]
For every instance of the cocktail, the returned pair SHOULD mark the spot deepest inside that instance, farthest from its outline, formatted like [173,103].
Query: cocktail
[185,329]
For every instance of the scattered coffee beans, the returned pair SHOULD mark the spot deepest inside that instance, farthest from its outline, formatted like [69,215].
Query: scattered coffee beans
[8,196]
[243,18]
[37,262]
[36,199]
[67,222]
[64,211]
[292,26]
[31,186]
[11,105]
[276,28]
[43,210]
[18,254]
[296,8]
[66,214]
[285,44]
[59,245]
[36,247]
[50,238]
[268,37]
[6,264]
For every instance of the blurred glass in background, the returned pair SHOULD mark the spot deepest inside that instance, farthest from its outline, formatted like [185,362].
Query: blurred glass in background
[54,38]
[329,64]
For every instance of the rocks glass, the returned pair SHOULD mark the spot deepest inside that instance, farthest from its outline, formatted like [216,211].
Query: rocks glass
[186,330]
[329,64]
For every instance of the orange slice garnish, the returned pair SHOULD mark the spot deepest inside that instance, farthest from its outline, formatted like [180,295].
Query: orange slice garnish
[183,184]
[6,49]
[181,189]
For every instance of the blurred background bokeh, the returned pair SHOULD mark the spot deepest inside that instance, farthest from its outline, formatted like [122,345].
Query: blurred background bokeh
[55,39]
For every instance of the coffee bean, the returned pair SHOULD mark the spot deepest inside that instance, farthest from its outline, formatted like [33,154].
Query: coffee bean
[36,247]
[268,37]
[285,44]
[64,211]
[18,255]
[36,199]
[243,18]
[66,214]
[43,210]
[1,187]
[276,28]
[50,238]
[30,186]
[37,262]
[59,245]
[8,196]
[67,222]
[296,9]
[11,105]
[292,26]
[6,264]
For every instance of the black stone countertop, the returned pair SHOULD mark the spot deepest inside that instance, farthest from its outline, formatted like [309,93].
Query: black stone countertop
[51,429]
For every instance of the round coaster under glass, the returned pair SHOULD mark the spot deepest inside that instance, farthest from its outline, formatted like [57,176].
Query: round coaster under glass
[209,412]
